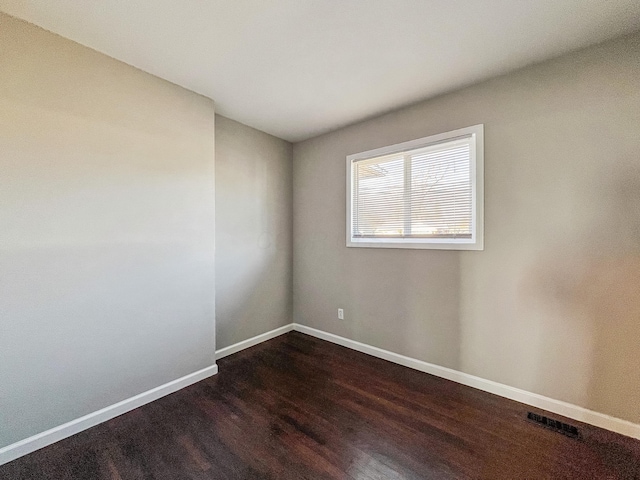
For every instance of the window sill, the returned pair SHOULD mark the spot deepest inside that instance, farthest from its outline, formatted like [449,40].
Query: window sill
[418,245]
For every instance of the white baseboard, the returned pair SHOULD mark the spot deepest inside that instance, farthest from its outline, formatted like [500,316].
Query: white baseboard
[36,442]
[236,347]
[31,444]
[559,407]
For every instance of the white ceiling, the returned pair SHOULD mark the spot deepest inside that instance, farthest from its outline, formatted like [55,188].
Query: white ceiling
[298,68]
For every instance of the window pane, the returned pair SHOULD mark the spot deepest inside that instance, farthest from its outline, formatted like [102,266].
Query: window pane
[424,192]
[378,208]
[441,192]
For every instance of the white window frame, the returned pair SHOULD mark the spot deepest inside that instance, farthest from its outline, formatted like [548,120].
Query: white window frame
[476,242]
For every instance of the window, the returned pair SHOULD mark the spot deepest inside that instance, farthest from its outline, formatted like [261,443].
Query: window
[426,193]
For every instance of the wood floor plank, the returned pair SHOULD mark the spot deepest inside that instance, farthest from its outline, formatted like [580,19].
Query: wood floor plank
[297,407]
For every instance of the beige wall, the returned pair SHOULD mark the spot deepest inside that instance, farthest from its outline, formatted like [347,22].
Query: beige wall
[552,305]
[253,232]
[106,231]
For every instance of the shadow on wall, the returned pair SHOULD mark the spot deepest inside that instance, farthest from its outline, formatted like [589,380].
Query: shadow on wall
[597,280]
[249,291]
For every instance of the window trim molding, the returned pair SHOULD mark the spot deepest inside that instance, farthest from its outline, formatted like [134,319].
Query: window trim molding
[477,188]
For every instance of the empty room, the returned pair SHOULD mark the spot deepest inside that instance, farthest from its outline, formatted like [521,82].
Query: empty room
[319,239]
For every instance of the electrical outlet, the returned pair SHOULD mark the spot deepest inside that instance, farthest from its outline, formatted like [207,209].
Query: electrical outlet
[340,314]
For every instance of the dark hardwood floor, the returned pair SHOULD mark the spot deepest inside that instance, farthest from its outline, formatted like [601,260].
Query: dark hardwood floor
[301,408]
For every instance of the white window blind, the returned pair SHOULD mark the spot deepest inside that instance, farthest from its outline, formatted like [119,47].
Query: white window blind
[421,194]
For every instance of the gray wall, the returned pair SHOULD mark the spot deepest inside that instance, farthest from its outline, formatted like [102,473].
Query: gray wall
[253,232]
[106,231]
[551,305]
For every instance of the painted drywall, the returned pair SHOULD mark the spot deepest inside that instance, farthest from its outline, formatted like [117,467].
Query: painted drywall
[551,305]
[106,231]
[254,251]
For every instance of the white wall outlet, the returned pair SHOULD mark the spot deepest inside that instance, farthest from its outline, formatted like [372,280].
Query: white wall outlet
[340,314]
